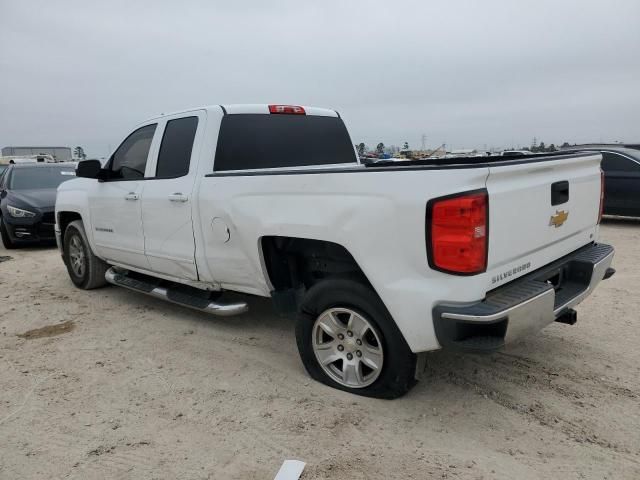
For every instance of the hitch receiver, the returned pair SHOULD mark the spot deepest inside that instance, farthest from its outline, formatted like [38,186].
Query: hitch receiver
[570,317]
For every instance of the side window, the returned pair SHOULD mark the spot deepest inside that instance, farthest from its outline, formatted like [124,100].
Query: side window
[130,159]
[618,163]
[175,150]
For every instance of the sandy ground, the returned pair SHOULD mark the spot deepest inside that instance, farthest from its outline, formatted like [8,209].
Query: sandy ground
[133,388]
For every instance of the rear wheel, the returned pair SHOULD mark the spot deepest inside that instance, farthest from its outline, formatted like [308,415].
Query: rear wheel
[85,269]
[348,340]
[6,239]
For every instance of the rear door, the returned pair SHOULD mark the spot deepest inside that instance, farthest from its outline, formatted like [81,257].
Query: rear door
[539,211]
[116,218]
[167,201]
[622,184]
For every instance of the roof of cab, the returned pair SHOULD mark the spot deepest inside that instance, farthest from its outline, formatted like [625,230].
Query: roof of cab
[251,108]
[264,108]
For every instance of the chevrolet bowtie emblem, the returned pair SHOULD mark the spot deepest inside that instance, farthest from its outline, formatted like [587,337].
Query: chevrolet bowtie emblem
[559,218]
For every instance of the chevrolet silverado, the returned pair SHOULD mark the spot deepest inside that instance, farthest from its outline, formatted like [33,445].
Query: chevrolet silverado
[381,262]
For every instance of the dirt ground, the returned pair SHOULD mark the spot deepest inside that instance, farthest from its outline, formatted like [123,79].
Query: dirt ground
[114,384]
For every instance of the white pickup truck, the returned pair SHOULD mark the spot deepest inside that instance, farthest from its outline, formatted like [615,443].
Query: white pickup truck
[381,262]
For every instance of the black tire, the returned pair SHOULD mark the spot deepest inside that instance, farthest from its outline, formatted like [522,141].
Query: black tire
[92,276]
[6,239]
[397,375]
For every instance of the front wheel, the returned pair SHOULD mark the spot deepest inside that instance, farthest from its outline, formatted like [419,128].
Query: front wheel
[348,340]
[6,239]
[85,269]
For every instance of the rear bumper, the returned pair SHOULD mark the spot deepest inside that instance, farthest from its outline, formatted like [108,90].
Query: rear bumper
[526,305]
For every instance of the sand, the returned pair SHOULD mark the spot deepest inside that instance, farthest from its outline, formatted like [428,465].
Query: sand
[129,387]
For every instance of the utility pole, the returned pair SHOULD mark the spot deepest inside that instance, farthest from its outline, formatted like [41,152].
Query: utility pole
[424,142]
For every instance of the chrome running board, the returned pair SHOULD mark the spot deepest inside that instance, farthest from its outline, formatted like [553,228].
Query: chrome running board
[180,294]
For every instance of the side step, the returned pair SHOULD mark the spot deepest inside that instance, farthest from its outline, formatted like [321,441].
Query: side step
[178,294]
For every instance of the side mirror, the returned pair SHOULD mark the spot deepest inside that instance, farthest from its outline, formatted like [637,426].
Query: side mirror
[89,169]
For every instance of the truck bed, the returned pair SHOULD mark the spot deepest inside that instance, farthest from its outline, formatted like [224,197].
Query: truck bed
[462,162]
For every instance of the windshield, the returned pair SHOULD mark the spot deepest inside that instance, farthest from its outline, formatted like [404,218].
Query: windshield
[39,177]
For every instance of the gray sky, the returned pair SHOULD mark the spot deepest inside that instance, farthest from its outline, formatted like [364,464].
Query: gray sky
[467,73]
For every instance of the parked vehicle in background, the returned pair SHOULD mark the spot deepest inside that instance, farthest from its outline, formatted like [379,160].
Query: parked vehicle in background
[621,167]
[516,153]
[27,201]
[381,262]
[600,146]
[6,161]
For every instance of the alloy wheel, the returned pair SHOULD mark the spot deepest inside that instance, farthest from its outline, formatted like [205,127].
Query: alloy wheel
[76,256]
[347,347]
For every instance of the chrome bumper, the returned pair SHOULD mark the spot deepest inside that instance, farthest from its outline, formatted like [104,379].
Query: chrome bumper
[526,305]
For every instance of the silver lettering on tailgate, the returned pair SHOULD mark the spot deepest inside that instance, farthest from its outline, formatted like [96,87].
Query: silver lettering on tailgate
[507,274]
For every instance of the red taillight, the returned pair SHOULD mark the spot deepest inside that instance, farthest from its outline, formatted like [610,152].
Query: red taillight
[601,196]
[289,109]
[458,230]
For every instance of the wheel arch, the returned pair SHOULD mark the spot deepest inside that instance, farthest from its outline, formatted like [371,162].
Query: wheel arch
[65,217]
[291,260]
[292,265]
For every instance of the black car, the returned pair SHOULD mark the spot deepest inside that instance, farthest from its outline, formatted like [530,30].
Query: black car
[27,201]
[621,167]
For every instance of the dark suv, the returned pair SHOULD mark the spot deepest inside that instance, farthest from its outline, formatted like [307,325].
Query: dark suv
[621,166]
[27,201]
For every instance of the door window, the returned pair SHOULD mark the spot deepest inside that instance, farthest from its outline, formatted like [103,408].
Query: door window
[175,150]
[613,162]
[130,159]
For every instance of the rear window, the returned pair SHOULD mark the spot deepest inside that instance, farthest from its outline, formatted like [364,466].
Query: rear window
[250,141]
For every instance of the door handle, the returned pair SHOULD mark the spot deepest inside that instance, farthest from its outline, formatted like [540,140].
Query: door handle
[178,197]
[131,196]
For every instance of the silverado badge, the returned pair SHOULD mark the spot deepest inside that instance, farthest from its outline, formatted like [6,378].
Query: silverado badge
[559,218]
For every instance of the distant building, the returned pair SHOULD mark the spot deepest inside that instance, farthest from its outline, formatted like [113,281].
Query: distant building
[60,154]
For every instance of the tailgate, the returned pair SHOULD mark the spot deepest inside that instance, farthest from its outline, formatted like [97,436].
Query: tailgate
[539,211]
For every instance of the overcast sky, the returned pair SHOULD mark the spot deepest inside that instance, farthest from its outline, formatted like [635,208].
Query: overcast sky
[464,73]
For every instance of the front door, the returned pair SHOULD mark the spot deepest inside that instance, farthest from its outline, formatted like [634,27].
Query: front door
[167,200]
[115,204]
